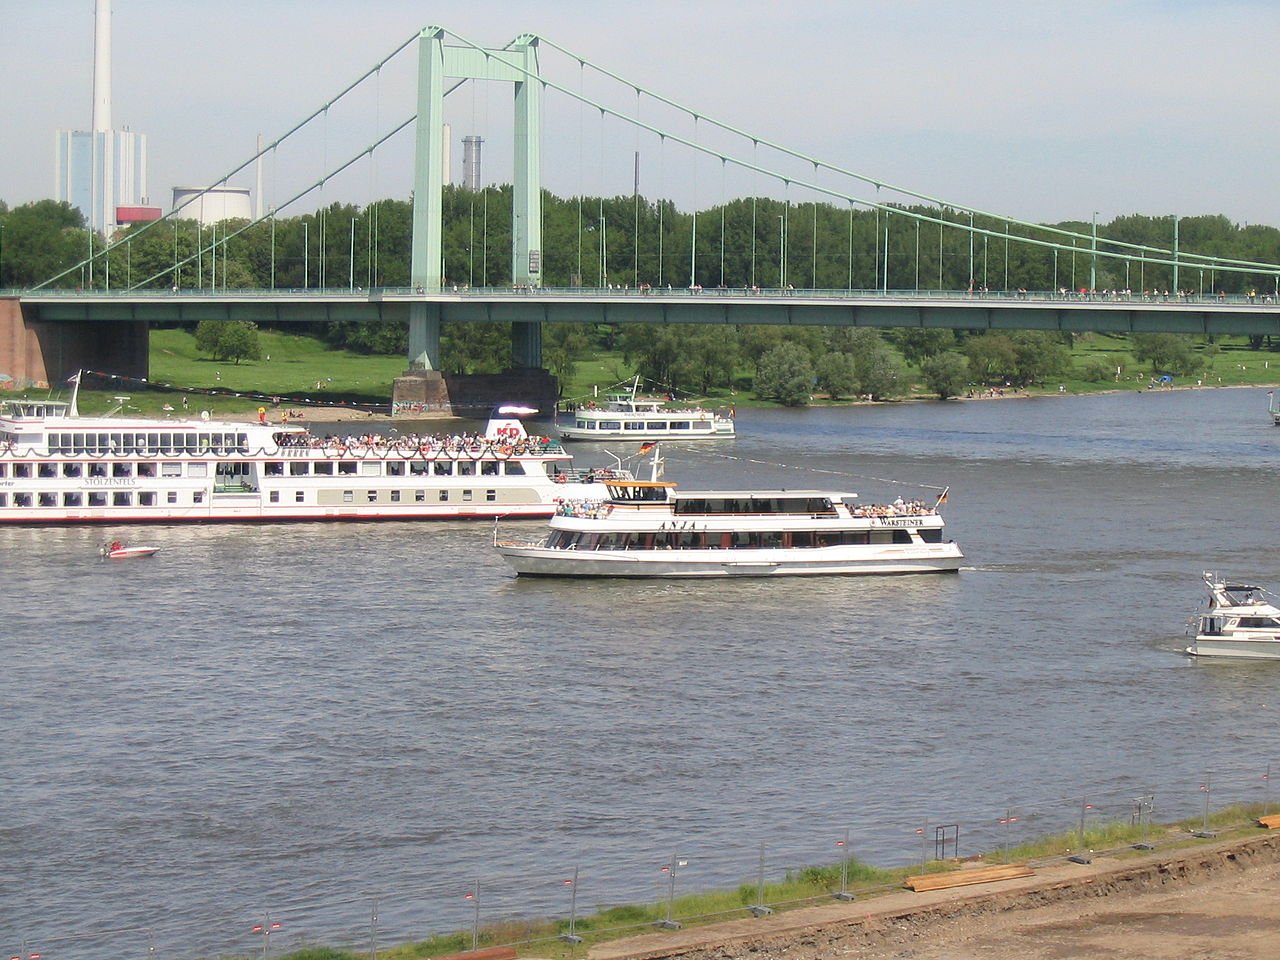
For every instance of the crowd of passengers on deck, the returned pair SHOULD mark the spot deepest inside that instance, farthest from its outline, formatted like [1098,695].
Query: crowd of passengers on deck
[899,508]
[468,444]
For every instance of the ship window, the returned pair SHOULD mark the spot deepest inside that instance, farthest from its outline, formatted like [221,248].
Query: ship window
[395,496]
[656,424]
[633,425]
[419,468]
[23,499]
[491,495]
[147,469]
[299,497]
[48,499]
[153,441]
[97,499]
[171,497]
[195,469]
[610,424]
[23,470]
[121,499]
[323,469]
[71,499]
[802,538]
[679,424]
[931,536]
[583,425]
[373,496]
[347,467]
[702,425]
[273,468]
[371,469]
[147,499]
[48,470]
[514,469]
[466,468]
[1264,623]
[444,496]
[4,499]
[395,468]
[122,469]
[348,496]
[197,497]
[299,469]
[770,539]
[442,468]
[4,469]
[419,496]
[77,442]
[275,496]
[488,468]
[466,496]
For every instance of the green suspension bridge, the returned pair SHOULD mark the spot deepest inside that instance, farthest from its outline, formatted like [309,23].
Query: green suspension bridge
[767,272]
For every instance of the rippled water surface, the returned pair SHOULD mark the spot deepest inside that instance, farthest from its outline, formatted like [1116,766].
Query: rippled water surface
[299,718]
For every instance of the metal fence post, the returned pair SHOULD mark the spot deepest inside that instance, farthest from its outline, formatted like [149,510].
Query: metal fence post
[759,909]
[843,893]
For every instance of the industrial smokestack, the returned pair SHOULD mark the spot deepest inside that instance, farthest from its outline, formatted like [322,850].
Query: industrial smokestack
[102,65]
[471,147]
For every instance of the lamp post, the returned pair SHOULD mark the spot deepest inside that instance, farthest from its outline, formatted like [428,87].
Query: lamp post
[604,253]
[782,251]
[1093,256]
[306,255]
[351,267]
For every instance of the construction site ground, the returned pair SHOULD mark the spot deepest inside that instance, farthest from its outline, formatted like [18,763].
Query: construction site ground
[1218,899]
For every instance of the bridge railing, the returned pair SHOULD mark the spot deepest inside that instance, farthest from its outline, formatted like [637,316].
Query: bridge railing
[626,292]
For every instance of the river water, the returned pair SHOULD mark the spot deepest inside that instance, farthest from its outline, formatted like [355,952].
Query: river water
[299,719]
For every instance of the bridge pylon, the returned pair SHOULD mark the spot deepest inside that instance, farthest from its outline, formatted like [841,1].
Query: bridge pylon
[518,65]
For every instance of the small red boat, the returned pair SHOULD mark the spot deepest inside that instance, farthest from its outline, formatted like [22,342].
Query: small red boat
[118,551]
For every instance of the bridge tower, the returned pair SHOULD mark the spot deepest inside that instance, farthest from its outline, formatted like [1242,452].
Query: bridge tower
[518,65]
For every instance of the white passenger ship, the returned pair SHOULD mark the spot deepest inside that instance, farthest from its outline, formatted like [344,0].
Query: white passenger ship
[626,416]
[647,529]
[59,467]
[1238,622]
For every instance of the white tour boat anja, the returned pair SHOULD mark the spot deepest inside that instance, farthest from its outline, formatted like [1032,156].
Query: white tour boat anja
[626,416]
[1238,622]
[646,528]
[59,467]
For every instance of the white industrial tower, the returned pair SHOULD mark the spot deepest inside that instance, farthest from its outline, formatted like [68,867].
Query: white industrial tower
[101,170]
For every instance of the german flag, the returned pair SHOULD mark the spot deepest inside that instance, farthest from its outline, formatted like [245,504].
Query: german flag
[645,448]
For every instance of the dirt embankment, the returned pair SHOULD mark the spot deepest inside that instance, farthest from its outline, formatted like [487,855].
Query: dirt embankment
[1219,901]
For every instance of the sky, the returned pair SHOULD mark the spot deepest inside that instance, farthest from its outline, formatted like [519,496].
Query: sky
[1033,110]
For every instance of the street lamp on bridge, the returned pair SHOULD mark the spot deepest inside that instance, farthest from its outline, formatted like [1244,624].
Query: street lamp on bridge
[1093,256]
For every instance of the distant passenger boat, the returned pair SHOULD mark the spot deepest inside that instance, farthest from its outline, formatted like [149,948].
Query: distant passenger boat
[1238,622]
[626,416]
[1274,407]
[645,528]
[59,467]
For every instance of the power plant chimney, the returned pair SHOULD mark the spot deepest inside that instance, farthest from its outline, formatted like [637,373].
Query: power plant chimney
[101,66]
[471,162]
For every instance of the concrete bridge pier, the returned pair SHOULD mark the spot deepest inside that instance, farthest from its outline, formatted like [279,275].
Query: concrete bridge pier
[526,344]
[41,354]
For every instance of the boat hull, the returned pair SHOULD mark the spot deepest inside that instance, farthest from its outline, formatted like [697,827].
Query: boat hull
[543,562]
[1235,649]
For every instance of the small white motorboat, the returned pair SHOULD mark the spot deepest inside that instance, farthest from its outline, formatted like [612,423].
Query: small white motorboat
[119,551]
[1239,622]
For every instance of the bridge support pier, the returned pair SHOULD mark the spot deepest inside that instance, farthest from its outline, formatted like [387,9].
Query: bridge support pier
[526,344]
[41,354]
[424,336]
